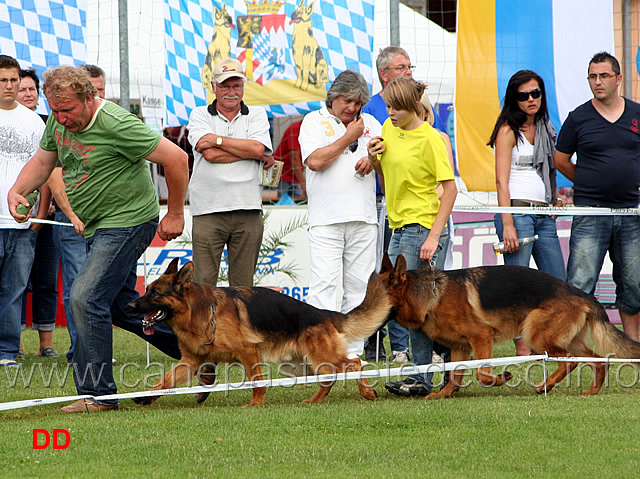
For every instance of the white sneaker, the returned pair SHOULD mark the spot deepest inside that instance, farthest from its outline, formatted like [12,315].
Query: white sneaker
[435,358]
[8,363]
[401,357]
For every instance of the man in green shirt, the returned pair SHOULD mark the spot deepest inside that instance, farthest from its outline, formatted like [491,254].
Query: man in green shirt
[103,151]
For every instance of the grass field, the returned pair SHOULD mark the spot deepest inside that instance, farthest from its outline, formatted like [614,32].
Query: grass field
[499,432]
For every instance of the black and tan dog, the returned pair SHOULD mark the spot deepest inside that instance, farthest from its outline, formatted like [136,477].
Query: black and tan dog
[470,309]
[255,325]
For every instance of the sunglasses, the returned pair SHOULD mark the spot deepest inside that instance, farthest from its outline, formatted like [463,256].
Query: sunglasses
[524,95]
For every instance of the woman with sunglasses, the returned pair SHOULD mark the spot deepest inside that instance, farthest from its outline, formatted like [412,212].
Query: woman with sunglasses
[412,159]
[524,139]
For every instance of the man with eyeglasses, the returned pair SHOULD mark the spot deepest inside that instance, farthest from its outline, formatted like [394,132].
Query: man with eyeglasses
[342,197]
[228,139]
[20,133]
[605,134]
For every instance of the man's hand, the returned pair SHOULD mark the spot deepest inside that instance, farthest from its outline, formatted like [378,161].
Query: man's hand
[171,226]
[355,129]
[14,199]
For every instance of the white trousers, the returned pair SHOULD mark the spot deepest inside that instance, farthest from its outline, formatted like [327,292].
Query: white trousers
[347,249]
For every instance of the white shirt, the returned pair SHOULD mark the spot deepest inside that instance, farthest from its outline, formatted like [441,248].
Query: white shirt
[335,194]
[20,133]
[222,187]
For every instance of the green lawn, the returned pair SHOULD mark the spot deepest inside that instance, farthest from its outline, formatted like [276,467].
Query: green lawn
[499,432]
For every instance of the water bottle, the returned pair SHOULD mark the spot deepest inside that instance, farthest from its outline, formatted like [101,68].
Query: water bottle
[498,248]
[31,198]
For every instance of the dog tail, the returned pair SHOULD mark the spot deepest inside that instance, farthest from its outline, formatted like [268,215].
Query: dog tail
[367,318]
[610,340]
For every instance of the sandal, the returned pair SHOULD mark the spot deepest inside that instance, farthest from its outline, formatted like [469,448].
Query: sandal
[20,354]
[49,353]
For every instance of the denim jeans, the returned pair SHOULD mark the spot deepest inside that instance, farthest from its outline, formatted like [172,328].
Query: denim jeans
[72,249]
[44,281]
[408,241]
[17,248]
[100,296]
[546,250]
[591,238]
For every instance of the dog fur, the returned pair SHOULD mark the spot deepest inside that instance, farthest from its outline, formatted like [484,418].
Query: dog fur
[255,325]
[470,309]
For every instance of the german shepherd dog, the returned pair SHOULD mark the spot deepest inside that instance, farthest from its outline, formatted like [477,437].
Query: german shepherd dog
[311,67]
[470,309]
[254,325]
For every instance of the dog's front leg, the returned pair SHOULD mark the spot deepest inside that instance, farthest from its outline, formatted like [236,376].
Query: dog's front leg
[178,374]
[456,378]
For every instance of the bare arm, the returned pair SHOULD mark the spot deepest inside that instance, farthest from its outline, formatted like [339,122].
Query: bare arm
[447,142]
[33,175]
[175,163]
[232,149]
[563,164]
[449,193]
[505,141]
[56,183]
[324,157]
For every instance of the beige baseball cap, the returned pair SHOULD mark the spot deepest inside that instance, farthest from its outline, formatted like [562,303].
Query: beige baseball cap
[226,69]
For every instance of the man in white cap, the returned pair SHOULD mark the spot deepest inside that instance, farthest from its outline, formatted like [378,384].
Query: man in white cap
[228,139]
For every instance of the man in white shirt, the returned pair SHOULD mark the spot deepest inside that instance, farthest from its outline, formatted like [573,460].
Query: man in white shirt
[228,139]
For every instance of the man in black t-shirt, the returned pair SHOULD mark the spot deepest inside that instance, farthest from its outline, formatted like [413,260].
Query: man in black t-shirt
[605,134]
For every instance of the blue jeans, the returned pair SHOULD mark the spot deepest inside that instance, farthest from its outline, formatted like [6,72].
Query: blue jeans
[44,281]
[100,296]
[591,238]
[17,248]
[408,241]
[546,250]
[72,249]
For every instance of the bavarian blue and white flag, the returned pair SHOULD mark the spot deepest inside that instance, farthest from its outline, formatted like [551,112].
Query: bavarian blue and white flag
[44,33]
[291,50]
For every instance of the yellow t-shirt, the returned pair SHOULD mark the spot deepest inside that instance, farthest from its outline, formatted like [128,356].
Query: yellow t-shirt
[413,163]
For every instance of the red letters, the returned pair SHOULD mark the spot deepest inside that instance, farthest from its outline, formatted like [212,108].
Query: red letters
[56,433]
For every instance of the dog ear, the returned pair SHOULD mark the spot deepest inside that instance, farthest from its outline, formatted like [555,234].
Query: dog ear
[386,265]
[173,267]
[185,275]
[401,265]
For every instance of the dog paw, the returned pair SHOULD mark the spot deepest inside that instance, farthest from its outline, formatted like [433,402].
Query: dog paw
[144,401]
[506,376]
[201,397]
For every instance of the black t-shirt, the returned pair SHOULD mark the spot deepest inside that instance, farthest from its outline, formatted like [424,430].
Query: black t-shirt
[608,164]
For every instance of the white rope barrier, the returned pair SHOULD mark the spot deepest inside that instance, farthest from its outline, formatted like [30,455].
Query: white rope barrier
[36,220]
[550,210]
[321,378]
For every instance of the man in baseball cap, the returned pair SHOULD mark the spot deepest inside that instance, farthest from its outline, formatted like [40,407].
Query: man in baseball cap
[228,139]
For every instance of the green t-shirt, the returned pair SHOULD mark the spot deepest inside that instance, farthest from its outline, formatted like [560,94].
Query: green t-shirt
[107,179]
[413,163]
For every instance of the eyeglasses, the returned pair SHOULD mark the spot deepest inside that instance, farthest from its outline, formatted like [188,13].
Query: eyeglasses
[4,81]
[603,76]
[236,87]
[402,68]
[524,95]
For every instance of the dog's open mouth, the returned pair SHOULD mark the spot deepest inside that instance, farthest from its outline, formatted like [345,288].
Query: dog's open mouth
[151,319]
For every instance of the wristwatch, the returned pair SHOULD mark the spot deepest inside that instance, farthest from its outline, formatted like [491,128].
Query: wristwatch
[219,141]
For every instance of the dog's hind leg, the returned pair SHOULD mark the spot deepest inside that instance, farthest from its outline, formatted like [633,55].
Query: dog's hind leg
[559,374]
[178,374]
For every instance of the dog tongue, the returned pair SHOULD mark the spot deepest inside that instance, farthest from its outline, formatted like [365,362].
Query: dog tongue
[148,331]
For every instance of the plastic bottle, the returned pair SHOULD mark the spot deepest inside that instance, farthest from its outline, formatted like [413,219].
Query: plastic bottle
[498,248]
[31,198]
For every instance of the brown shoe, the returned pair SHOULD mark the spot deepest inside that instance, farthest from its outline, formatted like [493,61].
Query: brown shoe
[87,405]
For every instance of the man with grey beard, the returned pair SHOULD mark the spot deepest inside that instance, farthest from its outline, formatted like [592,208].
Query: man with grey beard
[228,139]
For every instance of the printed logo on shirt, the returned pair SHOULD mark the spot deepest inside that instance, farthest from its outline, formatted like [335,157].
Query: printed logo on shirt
[328,128]
[634,126]
[401,136]
[75,163]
